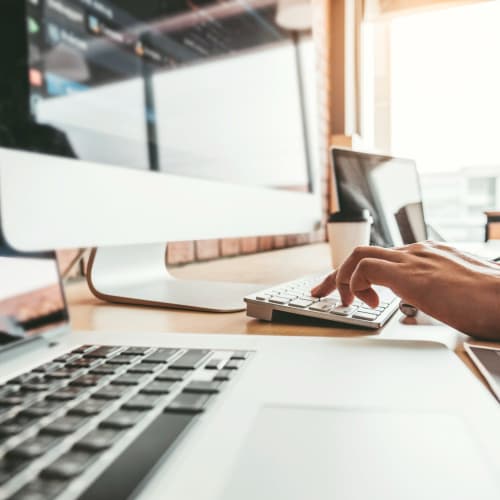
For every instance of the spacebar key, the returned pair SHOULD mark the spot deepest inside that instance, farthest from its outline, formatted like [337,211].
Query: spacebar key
[125,474]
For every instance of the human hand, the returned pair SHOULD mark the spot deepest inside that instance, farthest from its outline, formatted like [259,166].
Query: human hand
[454,287]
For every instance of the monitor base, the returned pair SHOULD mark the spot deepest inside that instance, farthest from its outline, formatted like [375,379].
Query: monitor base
[139,275]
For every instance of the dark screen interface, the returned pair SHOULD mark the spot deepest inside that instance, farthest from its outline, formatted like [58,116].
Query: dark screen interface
[389,188]
[185,87]
[31,298]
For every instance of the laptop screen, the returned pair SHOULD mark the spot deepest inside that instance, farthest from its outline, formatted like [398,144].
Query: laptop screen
[389,188]
[31,297]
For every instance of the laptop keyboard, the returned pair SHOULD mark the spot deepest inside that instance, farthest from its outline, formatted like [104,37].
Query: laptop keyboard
[294,297]
[95,421]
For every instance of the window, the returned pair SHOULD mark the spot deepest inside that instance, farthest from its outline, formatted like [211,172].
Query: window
[443,78]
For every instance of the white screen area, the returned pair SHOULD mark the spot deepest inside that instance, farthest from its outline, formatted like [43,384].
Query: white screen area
[105,124]
[239,118]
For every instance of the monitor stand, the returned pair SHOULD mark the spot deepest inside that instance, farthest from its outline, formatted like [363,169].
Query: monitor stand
[138,275]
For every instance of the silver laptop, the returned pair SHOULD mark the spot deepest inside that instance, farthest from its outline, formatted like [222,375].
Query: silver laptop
[117,415]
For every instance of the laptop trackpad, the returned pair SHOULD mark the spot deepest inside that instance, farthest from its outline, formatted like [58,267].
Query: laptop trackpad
[308,453]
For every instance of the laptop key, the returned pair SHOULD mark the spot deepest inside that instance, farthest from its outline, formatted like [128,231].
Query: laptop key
[102,352]
[161,356]
[105,369]
[188,403]
[110,392]
[240,355]
[140,351]
[40,489]
[89,407]
[66,394]
[123,360]
[215,364]
[128,379]
[69,465]
[142,402]
[233,364]
[138,459]
[15,425]
[42,408]
[203,387]
[174,375]
[10,467]
[48,367]
[122,419]
[64,425]
[99,439]
[34,447]
[159,387]
[88,380]
[224,375]
[191,360]
[146,368]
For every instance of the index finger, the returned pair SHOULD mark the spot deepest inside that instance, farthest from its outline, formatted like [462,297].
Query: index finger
[346,270]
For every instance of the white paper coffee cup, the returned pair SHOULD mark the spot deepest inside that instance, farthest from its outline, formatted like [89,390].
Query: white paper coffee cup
[346,232]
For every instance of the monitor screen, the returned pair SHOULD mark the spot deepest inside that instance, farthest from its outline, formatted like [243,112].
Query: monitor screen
[389,188]
[31,297]
[208,89]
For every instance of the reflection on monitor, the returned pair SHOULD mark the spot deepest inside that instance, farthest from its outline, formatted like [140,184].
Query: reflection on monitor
[31,298]
[209,89]
[389,188]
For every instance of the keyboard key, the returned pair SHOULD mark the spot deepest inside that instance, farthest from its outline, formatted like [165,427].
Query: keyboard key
[42,408]
[16,425]
[48,367]
[66,394]
[83,363]
[88,380]
[159,387]
[40,489]
[34,447]
[138,459]
[83,349]
[191,360]
[10,467]
[215,364]
[233,364]
[105,369]
[99,439]
[67,358]
[69,465]
[321,306]
[128,379]
[14,399]
[146,368]
[64,425]
[102,352]
[203,387]
[122,419]
[110,392]
[188,403]
[21,379]
[279,300]
[64,373]
[343,310]
[367,310]
[240,355]
[174,375]
[123,360]
[142,402]
[224,375]
[139,351]
[89,407]
[300,303]
[261,296]
[366,316]
[160,356]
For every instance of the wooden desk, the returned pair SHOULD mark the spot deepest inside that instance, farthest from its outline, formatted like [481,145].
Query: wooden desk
[89,313]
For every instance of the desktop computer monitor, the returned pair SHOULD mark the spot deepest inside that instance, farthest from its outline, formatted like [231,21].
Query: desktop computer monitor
[127,123]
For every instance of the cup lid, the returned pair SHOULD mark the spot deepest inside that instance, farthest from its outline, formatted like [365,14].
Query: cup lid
[362,215]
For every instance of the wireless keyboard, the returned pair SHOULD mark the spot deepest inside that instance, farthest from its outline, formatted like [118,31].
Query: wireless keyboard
[294,297]
[92,423]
